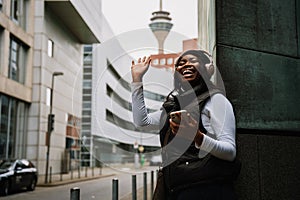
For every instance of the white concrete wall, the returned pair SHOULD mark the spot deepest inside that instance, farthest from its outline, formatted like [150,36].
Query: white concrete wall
[156,80]
[67,97]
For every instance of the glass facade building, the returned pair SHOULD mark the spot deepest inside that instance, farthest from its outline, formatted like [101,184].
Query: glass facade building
[13,127]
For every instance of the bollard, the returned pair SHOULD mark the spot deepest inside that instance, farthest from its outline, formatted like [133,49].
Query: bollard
[61,176]
[145,185]
[152,183]
[50,177]
[71,173]
[134,197]
[78,171]
[75,193]
[85,171]
[115,187]
[93,171]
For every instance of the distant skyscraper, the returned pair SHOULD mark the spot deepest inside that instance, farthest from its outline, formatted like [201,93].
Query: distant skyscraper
[161,26]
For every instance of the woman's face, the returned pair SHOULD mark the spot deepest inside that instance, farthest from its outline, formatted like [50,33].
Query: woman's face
[189,69]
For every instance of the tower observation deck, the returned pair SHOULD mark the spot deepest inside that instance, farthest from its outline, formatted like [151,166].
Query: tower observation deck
[160,26]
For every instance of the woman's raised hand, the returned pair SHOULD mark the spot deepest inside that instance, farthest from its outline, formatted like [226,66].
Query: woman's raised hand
[140,68]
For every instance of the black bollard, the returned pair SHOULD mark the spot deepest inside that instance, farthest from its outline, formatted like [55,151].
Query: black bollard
[78,171]
[134,197]
[75,193]
[152,183]
[50,178]
[71,173]
[115,187]
[145,185]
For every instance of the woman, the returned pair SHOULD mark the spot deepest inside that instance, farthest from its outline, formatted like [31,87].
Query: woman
[205,135]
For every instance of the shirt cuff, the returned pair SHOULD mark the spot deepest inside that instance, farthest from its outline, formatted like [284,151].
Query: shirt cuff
[207,144]
[136,85]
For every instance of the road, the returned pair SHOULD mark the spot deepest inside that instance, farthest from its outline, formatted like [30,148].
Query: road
[94,189]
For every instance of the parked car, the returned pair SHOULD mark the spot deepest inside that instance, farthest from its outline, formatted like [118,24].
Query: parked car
[17,174]
[155,160]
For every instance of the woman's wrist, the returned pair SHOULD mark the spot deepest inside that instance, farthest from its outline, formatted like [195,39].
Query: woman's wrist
[198,138]
[137,79]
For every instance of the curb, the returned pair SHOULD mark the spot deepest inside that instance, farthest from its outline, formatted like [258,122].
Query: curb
[65,182]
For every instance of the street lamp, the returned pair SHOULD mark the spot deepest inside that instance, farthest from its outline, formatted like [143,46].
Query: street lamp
[50,123]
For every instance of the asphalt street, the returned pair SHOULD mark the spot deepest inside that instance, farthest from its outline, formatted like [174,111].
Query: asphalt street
[99,188]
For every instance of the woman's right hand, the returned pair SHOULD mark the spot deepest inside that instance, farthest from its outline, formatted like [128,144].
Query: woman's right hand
[140,68]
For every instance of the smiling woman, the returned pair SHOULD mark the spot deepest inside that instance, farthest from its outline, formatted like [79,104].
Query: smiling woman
[200,149]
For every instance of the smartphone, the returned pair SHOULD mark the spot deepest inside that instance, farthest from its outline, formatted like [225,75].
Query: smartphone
[176,115]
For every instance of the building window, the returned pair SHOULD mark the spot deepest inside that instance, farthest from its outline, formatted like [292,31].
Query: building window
[14,10]
[162,61]
[48,96]
[18,12]
[17,60]
[13,129]
[155,62]
[87,84]
[88,54]
[86,105]
[1,46]
[50,48]
[170,61]
[86,112]
[122,123]
[1,5]
[73,139]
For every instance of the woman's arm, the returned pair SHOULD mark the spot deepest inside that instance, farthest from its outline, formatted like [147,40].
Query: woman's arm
[140,114]
[219,121]
[139,110]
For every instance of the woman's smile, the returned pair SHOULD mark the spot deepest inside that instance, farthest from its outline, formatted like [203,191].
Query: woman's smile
[188,67]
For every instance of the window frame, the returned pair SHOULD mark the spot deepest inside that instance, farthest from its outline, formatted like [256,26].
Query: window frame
[18,53]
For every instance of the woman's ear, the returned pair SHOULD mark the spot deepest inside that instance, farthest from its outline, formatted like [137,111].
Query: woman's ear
[210,69]
[209,66]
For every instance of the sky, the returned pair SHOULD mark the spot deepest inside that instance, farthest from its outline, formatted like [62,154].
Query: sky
[129,15]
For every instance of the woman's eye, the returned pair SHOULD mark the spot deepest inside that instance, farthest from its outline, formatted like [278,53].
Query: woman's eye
[179,64]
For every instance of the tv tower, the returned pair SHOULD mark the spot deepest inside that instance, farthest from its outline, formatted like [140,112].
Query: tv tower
[160,26]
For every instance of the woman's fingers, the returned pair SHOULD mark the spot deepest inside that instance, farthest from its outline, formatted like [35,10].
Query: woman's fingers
[145,60]
[148,60]
[174,127]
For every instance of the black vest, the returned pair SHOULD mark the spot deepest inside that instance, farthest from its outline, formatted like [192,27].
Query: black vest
[179,156]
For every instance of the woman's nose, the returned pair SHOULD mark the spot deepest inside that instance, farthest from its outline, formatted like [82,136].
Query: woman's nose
[183,65]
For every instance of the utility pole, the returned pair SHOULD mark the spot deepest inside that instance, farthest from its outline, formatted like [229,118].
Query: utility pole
[50,126]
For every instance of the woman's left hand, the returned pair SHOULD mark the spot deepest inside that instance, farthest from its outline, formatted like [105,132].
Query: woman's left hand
[188,129]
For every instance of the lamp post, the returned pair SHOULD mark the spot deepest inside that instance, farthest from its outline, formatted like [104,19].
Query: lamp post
[50,123]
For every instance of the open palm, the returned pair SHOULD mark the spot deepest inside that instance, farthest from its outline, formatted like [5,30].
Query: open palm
[140,68]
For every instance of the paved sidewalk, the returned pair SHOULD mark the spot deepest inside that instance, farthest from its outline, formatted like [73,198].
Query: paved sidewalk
[88,173]
[139,194]
[84,174]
